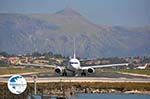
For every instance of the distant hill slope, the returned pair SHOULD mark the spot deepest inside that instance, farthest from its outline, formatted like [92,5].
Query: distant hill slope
[27,33]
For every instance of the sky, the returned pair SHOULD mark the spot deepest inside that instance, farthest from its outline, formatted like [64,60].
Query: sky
[102,12]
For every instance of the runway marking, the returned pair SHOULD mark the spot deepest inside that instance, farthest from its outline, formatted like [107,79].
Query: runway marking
[82,79]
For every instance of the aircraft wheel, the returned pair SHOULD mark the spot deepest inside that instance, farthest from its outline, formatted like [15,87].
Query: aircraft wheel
[73,74]
[64,74]
[83,74]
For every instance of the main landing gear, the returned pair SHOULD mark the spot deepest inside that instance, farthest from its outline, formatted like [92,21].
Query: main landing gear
[73,73]
[64,73]
[83,73]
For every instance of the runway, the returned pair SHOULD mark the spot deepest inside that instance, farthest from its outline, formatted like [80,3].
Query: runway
[45,77]
[82,79]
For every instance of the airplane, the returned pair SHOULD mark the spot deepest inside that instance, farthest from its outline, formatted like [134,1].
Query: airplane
[142,67]
[75,67]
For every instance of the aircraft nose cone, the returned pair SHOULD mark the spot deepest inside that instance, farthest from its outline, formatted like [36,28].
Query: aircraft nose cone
[73,66]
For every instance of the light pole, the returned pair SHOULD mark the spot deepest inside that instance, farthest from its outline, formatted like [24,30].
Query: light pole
[34,79]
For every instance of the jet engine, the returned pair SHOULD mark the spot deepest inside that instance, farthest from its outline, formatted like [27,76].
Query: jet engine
[91,70]
[58,70]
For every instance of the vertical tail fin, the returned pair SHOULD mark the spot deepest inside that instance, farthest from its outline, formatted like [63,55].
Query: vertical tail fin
[74,52]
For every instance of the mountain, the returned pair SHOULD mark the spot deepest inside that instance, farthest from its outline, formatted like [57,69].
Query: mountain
[27,33]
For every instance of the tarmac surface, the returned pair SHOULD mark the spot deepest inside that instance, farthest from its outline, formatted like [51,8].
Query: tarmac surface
[103,77]
[82,79]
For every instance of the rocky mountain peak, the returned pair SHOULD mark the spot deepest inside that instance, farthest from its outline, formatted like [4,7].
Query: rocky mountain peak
[68,11]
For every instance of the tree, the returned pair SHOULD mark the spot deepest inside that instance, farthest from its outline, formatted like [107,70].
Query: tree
[36,54]
[58,56]
[5,54]
[2,63]
[49,54]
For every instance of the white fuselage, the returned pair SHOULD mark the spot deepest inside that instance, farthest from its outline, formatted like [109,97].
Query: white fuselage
[74,64]
[141,67]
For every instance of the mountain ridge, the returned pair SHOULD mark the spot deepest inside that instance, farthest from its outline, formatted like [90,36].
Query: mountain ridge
[27,33]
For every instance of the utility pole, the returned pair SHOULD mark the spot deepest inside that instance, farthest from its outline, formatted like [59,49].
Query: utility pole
[34,79]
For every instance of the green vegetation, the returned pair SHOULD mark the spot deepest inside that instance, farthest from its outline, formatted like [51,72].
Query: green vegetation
[3,64]
[5,54]
[109,71]
[55,88]
[122,86]
[11,70]
[136,71]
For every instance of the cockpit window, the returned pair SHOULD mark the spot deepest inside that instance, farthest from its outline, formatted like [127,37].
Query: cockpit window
[73,62]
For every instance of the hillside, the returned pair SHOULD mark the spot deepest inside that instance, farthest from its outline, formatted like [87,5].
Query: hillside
[27,33]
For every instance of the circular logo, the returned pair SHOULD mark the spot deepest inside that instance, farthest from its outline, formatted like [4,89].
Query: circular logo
[17,84]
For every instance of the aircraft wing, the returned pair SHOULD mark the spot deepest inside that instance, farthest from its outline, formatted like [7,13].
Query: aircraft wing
[38,65]
[102,66]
